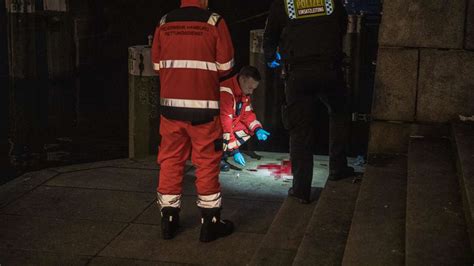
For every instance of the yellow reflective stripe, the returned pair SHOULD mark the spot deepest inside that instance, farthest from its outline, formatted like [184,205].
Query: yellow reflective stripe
[189,64]
[210,201]
[173,201]
[255,124]
[182,103]
[213,19]
[225,66]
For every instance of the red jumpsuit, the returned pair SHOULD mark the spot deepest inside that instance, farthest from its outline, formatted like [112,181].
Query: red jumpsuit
[191,50]
[239,122]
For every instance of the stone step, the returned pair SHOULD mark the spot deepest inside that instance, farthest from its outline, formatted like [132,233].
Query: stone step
[377,233]
[436,232]
[326,235]
[463,137]
[281,243]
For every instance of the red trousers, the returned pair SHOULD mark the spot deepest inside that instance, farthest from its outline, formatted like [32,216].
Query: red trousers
[180,139]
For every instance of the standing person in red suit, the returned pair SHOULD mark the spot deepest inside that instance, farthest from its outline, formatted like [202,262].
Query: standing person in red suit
[192,49]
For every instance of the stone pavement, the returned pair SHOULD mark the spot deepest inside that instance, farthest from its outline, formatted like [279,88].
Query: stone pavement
[105,213]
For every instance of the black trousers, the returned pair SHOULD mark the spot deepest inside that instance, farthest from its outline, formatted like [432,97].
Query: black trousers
[304,90]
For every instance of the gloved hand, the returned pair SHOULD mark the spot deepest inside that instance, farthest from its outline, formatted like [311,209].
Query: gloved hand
[276,62]
[239,158]
[262,134]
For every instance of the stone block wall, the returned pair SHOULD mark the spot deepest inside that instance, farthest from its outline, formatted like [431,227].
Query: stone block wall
[425,69]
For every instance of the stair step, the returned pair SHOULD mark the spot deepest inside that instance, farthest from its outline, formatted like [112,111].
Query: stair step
[326,235]
[280,244]
[463,135]
[436,232]
[377,233]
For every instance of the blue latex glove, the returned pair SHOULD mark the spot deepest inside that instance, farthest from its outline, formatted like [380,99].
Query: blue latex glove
[276,62]
[262,134]
[239,158]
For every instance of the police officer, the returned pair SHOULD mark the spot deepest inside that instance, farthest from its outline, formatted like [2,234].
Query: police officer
[309,35]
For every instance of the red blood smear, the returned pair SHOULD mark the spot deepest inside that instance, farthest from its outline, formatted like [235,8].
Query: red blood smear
[278,170]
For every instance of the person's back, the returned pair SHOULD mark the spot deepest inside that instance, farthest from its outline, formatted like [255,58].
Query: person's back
[191,49]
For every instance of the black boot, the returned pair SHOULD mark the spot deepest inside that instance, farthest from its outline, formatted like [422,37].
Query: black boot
[212,226]
[169,222]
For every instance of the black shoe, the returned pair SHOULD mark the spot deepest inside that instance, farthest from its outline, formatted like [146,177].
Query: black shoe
[212,226]
[225,167]
[169,222]
[341,174]
[302,200]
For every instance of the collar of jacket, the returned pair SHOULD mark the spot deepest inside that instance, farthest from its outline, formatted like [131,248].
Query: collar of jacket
[236,85]
[188,3]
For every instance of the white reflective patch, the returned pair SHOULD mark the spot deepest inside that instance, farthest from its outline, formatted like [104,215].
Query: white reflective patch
[210,201]
[241,134]
[248,108]
[189,64]
[232,145]
[173,201]
[254,124]
[163,20]
[196,104]
[213,19]
[225,66]
[226,136]
[156,66]
[225,89]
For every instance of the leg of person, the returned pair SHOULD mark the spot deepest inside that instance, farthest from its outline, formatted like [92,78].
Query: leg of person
[339,122]
[301,123]
[206,155]
[174,150]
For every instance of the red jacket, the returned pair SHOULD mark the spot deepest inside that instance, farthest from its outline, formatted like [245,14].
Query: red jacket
[238,124]
[192,48]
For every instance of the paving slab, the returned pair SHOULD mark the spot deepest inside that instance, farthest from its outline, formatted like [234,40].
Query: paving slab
[463,136]
[249,216]
[436,231]
[79,237]
[445,85]
[395,84]
[76,203]
[111,178]
[423,23]
[31,257]
[325,239]
[377,234]
[144,242]
[23,184]
[105,261]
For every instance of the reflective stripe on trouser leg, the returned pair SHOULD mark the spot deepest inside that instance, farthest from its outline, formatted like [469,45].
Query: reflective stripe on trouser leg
[173,201]
[209,201]
[206,155]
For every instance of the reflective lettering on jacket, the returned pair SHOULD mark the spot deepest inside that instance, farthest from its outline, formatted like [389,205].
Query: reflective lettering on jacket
[298,9]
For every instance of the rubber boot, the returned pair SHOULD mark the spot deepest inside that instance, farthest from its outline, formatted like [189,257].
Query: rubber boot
[169,222]
[212,226]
